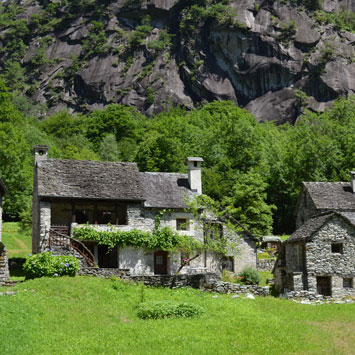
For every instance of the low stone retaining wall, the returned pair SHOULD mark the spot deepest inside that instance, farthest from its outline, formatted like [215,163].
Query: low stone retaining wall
[309,297]
[193,280]
[103,272]
[4,265]
[227,287]
[206,281]
[265,264]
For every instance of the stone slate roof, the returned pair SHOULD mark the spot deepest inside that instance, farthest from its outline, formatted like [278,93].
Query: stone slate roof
[166,190]
[2,188]
[89,180]
[307,230]
[331,195]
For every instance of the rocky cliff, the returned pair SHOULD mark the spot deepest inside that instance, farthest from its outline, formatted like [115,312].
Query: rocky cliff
[272,57]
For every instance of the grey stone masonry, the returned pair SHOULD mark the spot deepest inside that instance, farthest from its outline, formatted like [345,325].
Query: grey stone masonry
[319,257]
[227,287]
[265,264]
[45,224]
[4,265]
[322,261]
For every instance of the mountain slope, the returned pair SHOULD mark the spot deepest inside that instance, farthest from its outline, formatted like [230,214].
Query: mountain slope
[272,57]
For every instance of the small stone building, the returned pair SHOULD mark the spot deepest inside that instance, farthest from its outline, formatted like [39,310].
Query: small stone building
[4,262]
[319,256]
[68,194]
[319,197]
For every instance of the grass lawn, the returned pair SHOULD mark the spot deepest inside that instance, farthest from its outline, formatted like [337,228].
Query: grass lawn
[18,244]
[84,315]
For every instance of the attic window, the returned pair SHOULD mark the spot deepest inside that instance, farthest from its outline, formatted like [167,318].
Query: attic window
[182,224]
[337,248]
[347,282]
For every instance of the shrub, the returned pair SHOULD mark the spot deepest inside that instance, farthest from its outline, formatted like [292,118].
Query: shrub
[249,276]
[227,276]
[47,264]
[164,309]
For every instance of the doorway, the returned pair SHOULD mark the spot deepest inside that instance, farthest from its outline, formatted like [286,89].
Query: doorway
[160,262]
[324,285]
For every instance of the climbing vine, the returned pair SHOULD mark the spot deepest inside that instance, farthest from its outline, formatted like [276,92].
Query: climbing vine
[161,238]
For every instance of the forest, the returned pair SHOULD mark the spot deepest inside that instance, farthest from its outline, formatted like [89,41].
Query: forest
[254,170]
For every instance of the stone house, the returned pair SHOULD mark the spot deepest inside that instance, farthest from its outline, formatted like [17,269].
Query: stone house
[4,265]
[109,195]
[318,197]
[319,256]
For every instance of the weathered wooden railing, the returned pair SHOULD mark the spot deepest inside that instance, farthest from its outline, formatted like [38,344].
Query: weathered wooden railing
[59,239]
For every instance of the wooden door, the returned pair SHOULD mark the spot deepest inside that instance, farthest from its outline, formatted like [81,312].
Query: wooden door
[324,286]
[160,262]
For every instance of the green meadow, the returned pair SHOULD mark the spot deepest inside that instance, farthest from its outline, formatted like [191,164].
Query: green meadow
[84,315]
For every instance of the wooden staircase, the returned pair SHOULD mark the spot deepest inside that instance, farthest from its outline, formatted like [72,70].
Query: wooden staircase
[58,239]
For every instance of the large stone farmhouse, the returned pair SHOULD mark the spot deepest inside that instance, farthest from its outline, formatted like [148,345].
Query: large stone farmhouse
[4,267]
[320,255]
[107,196]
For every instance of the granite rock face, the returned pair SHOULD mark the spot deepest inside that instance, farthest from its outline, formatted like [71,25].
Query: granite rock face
[261,58]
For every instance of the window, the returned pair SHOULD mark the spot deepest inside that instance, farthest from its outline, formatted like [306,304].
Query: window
[347,282]
[337,248]
[182,224]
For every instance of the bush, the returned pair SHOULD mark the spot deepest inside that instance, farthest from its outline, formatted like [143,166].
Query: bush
[164,309]
[47,264]
[227,276]
[249,276]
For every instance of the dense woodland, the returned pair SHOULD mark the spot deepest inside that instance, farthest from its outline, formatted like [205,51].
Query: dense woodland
[254,169]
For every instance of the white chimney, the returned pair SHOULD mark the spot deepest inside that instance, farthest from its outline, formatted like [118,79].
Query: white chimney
[352,181]
[194,168]
[41,152]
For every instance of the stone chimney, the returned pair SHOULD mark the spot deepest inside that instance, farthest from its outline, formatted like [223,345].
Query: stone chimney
[352,181]
[41,152]
[194,168]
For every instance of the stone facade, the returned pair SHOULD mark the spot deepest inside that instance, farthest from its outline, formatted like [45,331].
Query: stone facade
[265,264]
[323,262]
[140,261]
[68,194]
[4,265]
[4,262]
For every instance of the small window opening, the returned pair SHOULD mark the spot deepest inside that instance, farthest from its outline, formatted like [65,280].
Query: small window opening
[347,282]
[182,224]
[337,248]
[195,164]
[41,152]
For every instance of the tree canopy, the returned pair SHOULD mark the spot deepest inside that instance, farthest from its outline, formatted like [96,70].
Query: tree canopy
[253,170]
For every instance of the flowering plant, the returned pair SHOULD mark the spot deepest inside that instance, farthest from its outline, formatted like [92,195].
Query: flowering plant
[47,264]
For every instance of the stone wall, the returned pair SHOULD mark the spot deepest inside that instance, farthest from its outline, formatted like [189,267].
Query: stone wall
[4,264]
[139,260]
[321,261]
[227,287]
[45,224]
[305,208]
[265,264]
[0,214]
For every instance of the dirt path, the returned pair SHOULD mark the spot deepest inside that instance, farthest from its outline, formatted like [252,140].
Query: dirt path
[21,244]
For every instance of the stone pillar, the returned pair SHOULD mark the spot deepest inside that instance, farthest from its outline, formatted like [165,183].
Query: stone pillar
[4,264]
[0,214]
[297,281]
[44,224]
